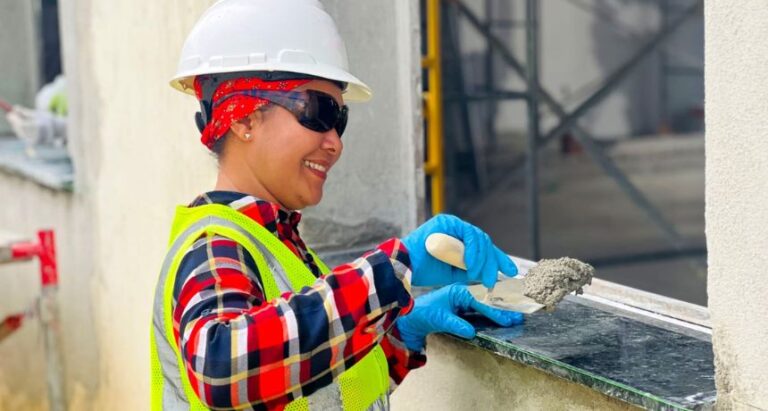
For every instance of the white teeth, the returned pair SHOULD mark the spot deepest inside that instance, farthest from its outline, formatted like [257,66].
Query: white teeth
[315,166]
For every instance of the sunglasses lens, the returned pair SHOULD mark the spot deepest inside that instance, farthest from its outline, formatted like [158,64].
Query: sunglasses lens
[323,113]
[341,124]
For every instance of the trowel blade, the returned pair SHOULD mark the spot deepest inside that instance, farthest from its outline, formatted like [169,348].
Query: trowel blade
[507,295]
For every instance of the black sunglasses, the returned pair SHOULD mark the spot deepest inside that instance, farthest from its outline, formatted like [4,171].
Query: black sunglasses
[313,109]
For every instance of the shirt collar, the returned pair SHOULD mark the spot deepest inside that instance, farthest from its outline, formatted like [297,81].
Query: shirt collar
[270,215]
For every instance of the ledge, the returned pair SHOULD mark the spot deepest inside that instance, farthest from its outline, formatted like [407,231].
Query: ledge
[651,366]
[645,349]
[52,168]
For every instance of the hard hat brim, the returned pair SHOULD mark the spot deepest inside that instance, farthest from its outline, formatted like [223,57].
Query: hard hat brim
[356,91]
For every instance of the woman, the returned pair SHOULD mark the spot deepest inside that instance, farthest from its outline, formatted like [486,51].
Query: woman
[246,316]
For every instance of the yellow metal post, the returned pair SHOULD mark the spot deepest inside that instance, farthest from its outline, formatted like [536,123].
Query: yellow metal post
[433,107]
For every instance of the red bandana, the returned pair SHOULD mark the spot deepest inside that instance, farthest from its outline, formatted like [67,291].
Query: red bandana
[238,106]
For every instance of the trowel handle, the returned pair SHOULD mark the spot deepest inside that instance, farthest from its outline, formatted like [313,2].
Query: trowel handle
[450,250]
[447,249]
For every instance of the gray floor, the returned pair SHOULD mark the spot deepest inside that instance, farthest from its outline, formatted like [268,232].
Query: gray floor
[585,215]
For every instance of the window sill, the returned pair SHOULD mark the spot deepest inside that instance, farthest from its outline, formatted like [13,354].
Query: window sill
[652,359]
[52,168]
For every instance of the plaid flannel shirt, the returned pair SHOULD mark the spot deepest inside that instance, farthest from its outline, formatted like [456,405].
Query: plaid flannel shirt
[234,343]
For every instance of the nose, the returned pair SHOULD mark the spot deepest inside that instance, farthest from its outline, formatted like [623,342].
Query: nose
[332,142]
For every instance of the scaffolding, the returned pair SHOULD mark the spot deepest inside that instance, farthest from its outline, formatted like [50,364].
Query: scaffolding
[442,21]
[433,105]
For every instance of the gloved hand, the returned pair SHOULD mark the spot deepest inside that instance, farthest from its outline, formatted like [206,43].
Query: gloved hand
[483,259]
[436,312]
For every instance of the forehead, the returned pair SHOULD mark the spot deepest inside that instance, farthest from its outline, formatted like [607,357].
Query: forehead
[325,86]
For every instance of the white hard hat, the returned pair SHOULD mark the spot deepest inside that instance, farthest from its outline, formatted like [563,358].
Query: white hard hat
[295,36]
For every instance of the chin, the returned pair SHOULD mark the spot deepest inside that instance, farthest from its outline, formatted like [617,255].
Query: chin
[308,201]
[314,200]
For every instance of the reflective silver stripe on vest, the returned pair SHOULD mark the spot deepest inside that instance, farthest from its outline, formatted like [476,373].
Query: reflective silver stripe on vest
[381,404]
[329,397]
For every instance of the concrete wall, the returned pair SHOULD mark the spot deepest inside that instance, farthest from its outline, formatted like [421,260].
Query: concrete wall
[377,187]
[19,49]
[462,377]
[736,213]
[136,154]
[26,208]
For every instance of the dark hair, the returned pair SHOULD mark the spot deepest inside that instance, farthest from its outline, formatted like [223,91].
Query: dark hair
[218,146]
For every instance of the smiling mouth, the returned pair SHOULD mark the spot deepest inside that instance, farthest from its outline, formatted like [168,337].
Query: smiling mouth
[315,166]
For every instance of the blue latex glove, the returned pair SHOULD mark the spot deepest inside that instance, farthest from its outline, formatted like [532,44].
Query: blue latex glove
[483,259]
[436,312]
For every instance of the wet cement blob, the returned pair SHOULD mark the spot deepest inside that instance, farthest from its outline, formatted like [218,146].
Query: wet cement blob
[551,280]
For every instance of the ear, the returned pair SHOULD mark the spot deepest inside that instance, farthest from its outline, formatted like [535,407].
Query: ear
[243,129]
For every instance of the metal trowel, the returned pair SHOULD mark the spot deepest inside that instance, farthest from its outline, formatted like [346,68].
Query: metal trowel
[508,292]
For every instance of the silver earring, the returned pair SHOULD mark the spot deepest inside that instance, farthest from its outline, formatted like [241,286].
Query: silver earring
[247,136]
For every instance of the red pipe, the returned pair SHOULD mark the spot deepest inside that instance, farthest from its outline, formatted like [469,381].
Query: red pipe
[45,250]
[13,322]
[10,324]
[25,250]
[49,273]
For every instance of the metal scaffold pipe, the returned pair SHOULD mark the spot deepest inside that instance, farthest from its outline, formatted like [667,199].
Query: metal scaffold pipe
[532,79]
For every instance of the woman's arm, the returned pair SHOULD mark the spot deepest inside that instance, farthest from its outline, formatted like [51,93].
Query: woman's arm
[401,360]
[240,349]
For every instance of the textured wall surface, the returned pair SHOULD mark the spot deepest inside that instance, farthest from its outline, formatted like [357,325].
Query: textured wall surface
[377,184]
[736,212]
[462,377]
[24,209]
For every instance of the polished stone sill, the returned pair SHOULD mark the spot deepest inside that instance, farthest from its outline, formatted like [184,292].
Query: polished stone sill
[52,168]
[647,363]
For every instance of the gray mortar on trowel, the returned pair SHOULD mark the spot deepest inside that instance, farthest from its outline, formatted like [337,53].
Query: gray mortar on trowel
[551,280]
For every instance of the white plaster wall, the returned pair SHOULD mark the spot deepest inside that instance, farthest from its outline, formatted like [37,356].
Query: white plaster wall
[459,376]
[736,213]
[26,207]
[19,49]
[146,158]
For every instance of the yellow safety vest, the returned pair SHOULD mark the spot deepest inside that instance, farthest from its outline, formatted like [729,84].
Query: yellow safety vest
[364,386]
